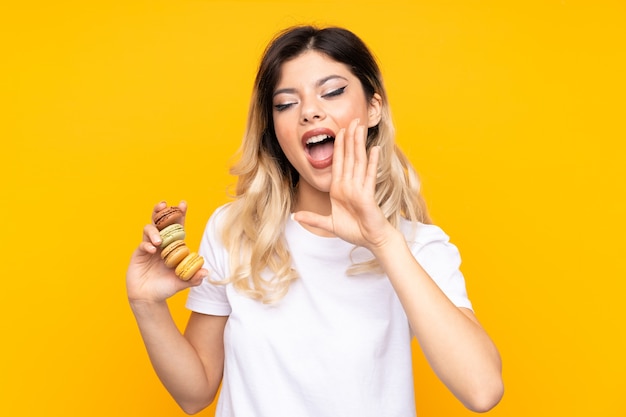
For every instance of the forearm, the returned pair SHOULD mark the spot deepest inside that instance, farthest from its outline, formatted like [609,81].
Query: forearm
[174,359]
[455,344]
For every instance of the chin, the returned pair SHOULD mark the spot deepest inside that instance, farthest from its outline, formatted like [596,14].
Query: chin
[316,185]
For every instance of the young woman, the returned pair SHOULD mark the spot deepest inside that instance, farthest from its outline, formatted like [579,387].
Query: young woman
[323,267]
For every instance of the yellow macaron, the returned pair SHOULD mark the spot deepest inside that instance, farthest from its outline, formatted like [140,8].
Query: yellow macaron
[188,267]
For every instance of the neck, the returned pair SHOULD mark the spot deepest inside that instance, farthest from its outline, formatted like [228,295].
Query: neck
[316,201]
[312,199]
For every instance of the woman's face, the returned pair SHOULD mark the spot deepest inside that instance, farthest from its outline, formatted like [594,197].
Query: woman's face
[314,98]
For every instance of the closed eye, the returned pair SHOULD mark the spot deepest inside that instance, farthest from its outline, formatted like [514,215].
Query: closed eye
[283,106]
[335,93]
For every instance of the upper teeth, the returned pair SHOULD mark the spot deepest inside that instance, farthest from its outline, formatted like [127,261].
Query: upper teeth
[317,139]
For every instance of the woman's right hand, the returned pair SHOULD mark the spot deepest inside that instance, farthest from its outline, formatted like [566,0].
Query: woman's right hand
[148,280]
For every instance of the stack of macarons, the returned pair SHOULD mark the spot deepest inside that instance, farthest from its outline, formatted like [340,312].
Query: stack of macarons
[174,252]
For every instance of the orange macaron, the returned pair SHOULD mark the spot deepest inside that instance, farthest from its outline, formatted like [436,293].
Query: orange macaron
[174,253]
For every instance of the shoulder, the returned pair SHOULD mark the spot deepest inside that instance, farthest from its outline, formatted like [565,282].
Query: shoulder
[220,213]
[217,219]
[214,226]
[421,234]
[439,257]
[429,243]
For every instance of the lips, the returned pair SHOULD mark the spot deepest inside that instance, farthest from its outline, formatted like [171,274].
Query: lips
[319,146]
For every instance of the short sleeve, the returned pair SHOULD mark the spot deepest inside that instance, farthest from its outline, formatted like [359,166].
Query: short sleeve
[441,260]
[209,297]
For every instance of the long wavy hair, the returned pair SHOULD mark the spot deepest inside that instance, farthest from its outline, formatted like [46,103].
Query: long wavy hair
[253,229]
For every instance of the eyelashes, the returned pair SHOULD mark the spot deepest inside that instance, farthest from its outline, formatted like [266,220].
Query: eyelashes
[337,92]
[283,107]
[333,93]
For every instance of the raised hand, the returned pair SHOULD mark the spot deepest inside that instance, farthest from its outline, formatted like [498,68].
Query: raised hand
[147,277]
[355,216]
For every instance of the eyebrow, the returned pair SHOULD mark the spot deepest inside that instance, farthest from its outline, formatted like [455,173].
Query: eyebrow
[319,83]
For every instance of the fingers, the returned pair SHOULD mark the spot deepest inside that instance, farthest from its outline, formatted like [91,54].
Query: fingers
[360,155]
[182,205]
[350,160]
[348,150]
[198,278]
[151,235]
[148,247]
[372,169]
[159,206]
[315,220]
[165,233]
[337,167]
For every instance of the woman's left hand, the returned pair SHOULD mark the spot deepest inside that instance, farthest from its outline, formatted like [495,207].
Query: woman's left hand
[355,215]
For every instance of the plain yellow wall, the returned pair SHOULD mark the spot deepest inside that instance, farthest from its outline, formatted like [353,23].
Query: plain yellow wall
[512,111]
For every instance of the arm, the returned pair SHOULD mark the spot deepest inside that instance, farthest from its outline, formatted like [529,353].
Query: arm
[455,344]
[190,366]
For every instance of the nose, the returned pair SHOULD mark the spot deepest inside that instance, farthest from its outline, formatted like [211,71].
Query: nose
[311,110]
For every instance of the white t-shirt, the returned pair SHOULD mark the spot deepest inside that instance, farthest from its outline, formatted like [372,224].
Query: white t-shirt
[335,345]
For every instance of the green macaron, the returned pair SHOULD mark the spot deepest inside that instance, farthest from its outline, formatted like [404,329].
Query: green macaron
[171,233]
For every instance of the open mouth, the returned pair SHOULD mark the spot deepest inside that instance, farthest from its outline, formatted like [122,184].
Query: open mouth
[320,147]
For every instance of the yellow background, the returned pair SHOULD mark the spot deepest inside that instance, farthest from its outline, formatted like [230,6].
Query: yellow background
[512,111]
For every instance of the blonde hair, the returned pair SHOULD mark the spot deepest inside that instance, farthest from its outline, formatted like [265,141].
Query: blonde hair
[253,228]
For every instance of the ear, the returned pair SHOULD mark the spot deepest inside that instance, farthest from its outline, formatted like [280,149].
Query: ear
[374,111]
